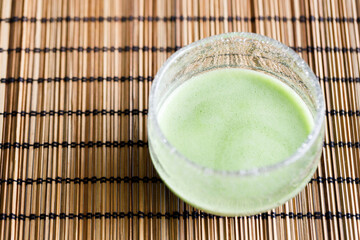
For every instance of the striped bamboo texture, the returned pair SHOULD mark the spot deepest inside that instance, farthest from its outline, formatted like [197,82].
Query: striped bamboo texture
[75,79]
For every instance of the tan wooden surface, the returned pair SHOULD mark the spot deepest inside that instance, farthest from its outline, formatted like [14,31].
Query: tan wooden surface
[75,79]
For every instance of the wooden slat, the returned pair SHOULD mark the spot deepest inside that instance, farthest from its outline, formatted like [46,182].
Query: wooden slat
[75,80]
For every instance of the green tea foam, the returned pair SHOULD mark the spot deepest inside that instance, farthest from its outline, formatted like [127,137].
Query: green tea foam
[234,119]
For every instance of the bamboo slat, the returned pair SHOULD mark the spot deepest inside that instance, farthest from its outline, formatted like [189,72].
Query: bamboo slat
[75,77]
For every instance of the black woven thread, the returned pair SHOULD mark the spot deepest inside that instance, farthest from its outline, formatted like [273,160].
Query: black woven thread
[86,180]
[177,215]
[77,79]
[137,78]
[339,180]
[92,49]
[95,112]
[340,79]
[66,144]
[133,78]
[136,179]
[130,143]
[76,112]
[301,19]
[327,49]
[309,49]
[342,144]
[350,113]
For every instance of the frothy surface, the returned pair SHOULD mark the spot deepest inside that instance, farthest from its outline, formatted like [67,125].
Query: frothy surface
[232,119]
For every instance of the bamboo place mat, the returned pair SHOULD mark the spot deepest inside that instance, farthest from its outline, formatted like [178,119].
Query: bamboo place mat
[75,79]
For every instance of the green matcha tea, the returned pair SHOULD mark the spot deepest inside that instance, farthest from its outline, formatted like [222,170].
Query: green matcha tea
[233,119]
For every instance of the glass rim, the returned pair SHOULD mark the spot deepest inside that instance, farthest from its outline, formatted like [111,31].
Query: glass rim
[300,151]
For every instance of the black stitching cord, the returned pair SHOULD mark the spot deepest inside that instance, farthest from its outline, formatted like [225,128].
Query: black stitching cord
[341,144]
[129,143]
[92,49]
[327,49]
[139,143]
[66,144]
[301,19]
[309,49]
[95,112]
[86,180]
[136,78]
[340,79]
[76,112]
[137,179]
[177,215]
[78,79]
[339,180]
[342,112]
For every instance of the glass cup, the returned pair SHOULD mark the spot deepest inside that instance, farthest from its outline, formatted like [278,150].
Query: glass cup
[241,192]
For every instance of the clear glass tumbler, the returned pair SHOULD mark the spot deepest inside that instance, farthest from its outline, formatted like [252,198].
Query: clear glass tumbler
[241,192]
